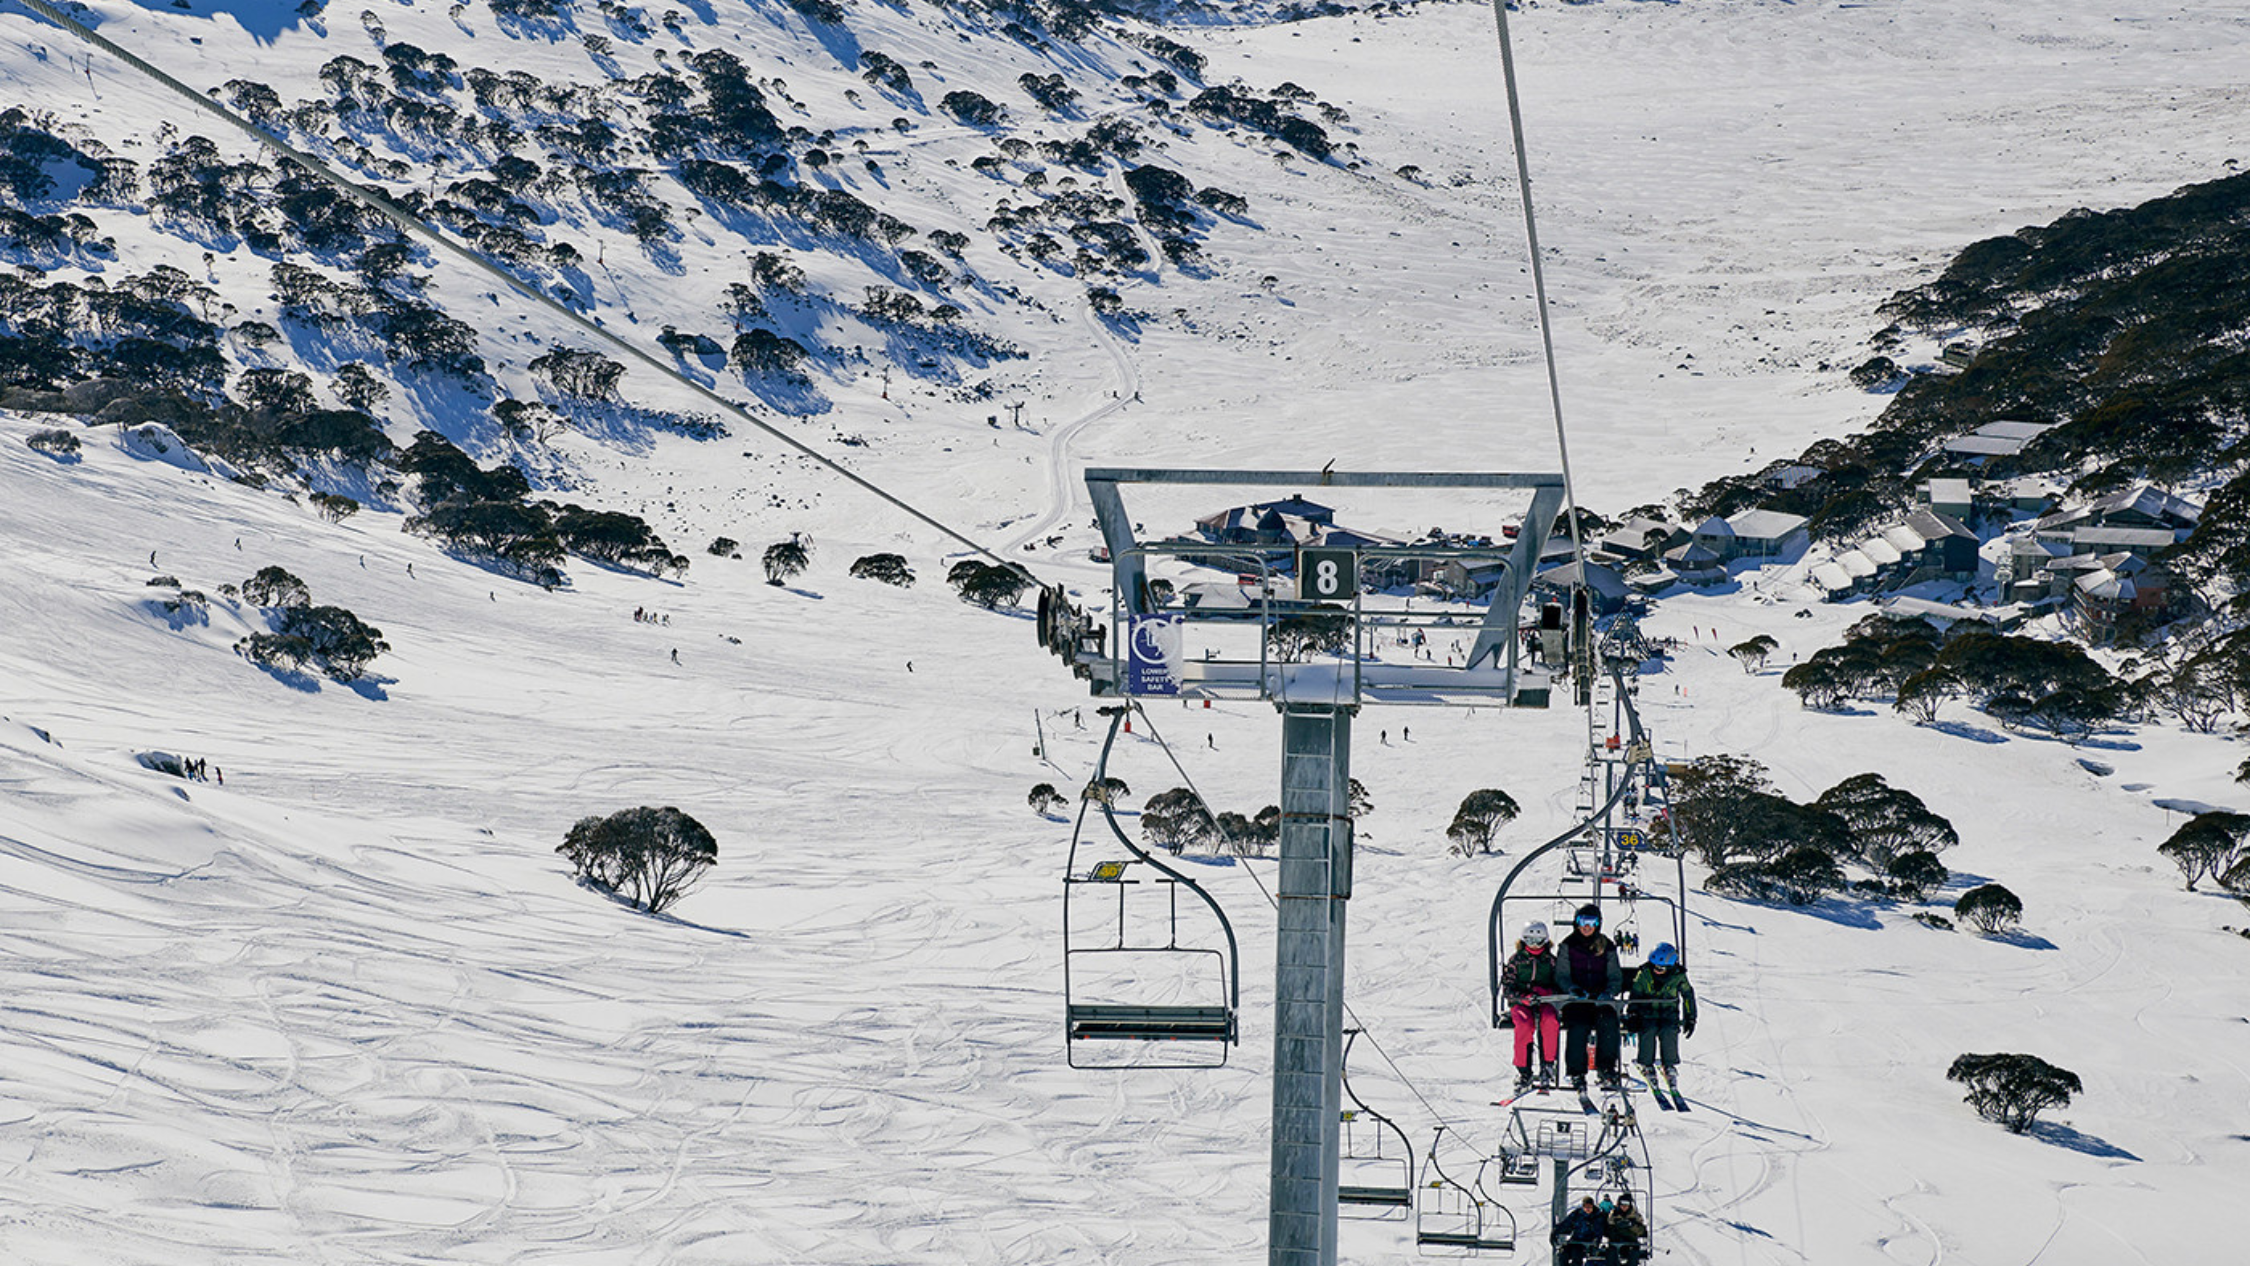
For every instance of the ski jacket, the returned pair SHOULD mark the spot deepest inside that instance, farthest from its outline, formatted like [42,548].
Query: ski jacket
[1580,1227]
[1588,965]
[1665,999]
[1528,973]
[1626,1227]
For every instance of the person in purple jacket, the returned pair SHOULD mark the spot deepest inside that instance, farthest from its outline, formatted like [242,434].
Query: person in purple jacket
[1587,972]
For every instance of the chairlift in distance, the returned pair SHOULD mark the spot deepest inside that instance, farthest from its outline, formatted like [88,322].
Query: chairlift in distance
[1374,1162]
[1453,1218]
[1142,1000]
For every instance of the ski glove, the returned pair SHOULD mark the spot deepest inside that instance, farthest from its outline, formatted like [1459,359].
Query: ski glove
[1688,1029]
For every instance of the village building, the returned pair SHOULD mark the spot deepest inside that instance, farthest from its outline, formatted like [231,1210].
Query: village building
[1949,497]
[1794,474]
[2141,506]
[1923,546]
[1691,564]
[1639,537]
[1998,439]
[1753,534]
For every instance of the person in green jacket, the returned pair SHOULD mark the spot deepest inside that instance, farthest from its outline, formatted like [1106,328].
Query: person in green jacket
[1661,1008]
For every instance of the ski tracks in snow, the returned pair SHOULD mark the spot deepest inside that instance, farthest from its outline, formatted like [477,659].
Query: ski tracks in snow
[1063,489]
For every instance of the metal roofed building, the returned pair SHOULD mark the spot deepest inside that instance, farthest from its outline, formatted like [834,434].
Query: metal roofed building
[1753,534]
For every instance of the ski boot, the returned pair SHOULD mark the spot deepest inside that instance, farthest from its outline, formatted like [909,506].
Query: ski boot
[1523,1081]
[1578,1082]
[1612,1082]
[1648,1074]
[1672,1079]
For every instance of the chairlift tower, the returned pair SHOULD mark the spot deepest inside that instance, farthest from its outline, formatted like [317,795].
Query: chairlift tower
[1314,595]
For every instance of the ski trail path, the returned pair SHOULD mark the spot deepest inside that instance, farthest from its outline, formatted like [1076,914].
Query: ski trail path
[1061,486]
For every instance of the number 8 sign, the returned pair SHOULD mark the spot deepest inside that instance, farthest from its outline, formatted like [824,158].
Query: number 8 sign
[1324,574]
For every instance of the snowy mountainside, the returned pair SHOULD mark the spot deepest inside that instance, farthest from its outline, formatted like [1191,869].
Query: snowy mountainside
[350,1008]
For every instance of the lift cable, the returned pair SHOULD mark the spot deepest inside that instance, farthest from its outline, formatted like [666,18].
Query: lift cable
[417,227]
[1538,277]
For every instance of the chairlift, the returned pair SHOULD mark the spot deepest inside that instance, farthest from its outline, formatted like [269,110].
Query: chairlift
[1134,998]
[1374,1162]
[1596,866]
[1457,1219]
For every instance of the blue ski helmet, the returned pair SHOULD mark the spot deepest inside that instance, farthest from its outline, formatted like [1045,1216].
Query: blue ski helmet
[1664,956]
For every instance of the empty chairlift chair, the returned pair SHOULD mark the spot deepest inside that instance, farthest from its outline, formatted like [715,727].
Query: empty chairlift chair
[1374,1162]
[1453,1218]
[1135,995]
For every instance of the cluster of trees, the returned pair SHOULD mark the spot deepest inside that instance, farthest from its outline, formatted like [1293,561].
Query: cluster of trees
[146,329]
[2216,556]
[578,373]
[2200,678]
[60,444]
[1763,845]
[889,569]
[30,155]
[988,585]
[1167,202]
[330,640]
[489,514]
[649,857]
[1178,820]
[1308,633]
[2018,680]
[2215,846]
[1271,114]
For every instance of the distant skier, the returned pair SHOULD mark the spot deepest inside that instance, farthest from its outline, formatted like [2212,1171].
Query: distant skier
[1587,969]
[675,654]
[1528,978]
[1579,1233]
[1661,1010]
[1627,1232]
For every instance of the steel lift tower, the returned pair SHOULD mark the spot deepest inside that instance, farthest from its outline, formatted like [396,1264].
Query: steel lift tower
[1299,595]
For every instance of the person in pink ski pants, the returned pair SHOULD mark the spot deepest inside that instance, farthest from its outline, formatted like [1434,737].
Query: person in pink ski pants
[1526,982]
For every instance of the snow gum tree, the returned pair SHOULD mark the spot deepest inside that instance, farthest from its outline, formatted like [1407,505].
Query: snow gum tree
[2013,1089]
[2206,845]
[650,857]
[1989,908]
[787,559]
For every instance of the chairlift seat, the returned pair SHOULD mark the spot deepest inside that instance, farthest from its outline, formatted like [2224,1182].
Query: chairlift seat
[1152,1024]
[1384,1197]
[1463,1240]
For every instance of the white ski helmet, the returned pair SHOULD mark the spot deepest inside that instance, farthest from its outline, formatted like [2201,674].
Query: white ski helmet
[1535,933]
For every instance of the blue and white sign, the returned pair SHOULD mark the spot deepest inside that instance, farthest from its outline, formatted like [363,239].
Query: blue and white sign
[1154,654]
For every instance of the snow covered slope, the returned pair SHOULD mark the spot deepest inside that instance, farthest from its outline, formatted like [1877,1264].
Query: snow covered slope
[350,1008]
